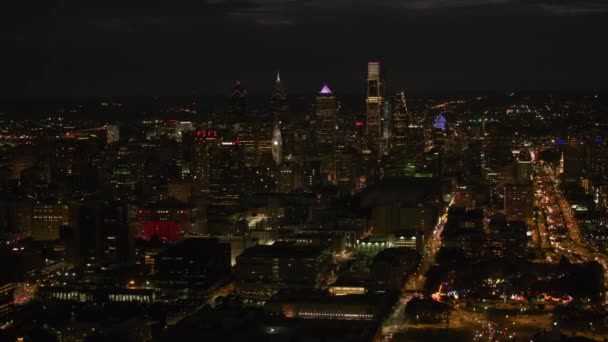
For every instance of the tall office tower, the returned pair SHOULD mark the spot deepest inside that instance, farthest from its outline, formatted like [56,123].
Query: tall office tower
[347,166]
[386,127]
[518,201]
[439,126]
[248,138]
[278,109]
[99,234]
[206,142]
[326,115]
[226,173]
[278,100]
[400,122]
[277,145]
[326,130]
[288,177]
[238,104]
[524,168]
[117,240]
[86,237]
[374,103]
[47,218]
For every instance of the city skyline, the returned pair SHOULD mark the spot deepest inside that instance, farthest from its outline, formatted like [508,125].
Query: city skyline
[304,170]
[201,48]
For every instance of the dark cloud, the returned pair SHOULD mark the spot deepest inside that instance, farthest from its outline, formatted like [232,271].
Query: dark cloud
[579,7]
[169,47]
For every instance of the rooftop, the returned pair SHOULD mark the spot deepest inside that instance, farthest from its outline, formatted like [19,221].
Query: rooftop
[407,191]
[390,254]
[282,250]
[194,247]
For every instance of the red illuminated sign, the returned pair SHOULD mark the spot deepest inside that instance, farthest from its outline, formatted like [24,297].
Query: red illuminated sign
[206,134]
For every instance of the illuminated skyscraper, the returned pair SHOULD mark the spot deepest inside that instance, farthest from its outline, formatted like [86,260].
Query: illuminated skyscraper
[518,201]
[278,108]
[47,217]
[326,130]
[277,145]
[248,137]
[327,119]
[278,100]
[225,170]
[374,103]
[386,127]
[400,122]
[206,143]
[524,168]
[439,133]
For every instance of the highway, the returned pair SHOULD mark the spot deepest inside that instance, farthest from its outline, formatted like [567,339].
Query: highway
[563,230]
[557,234]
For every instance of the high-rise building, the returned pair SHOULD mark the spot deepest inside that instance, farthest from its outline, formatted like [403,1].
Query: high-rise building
[277,145]
[386,126]
[238,103]
[311,174]
[524,167]
[439,126]
[47,217]
[326,130]
[400,122]
[518,201]
[326,117]
[288,177]
[278,100]
[374,101]
[225,174]
[206,142]
[117,240]
[249,138]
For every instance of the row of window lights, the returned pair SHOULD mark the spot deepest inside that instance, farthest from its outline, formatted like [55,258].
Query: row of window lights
[332,314]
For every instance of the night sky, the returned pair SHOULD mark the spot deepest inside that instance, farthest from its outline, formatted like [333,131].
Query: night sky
[152,47]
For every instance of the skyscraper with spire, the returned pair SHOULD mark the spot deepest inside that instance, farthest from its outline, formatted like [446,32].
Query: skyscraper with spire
[238,103]
[278,99]
[278,109]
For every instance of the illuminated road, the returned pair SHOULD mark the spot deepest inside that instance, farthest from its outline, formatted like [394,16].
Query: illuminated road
[394,323]
[563,229]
